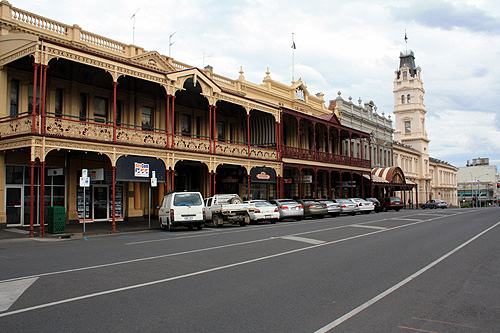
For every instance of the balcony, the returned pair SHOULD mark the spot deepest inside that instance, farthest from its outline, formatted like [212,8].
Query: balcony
[311,155]
[89,130]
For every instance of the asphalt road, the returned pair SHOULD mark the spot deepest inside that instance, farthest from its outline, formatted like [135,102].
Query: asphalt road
[424,271]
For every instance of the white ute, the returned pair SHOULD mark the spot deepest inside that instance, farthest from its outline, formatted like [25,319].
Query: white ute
[182,209]
[227,208]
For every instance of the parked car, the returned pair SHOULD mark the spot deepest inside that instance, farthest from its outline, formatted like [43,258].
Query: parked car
[182,209]
[332,206]
[376,204]
[365,207]
[289,209]
[394,203]
[434,203]
[313,209]
[347,206]
[264,211]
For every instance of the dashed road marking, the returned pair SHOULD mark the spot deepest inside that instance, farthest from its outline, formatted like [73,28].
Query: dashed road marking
[303,239]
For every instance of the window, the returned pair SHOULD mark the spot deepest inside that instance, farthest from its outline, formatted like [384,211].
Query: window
[146,118]
[83,107]
[30,98]
[198,127]
[14,98]
[118,113]
[100,109]
[402,99]
[408,98]
[58,102]
[186,125]
[405,75]
[221,133]
[407,126]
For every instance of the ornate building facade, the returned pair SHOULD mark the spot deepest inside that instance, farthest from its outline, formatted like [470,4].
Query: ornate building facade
[72,101]
[434,178]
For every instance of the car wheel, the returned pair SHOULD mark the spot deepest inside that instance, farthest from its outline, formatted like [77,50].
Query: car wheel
[199,227]
[298,219]
[169,225]
[161,226]
[385,209]
[397,209]
[273,221]
[353,213]
[190,227]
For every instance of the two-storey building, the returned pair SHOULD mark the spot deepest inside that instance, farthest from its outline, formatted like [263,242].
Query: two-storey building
[71,100]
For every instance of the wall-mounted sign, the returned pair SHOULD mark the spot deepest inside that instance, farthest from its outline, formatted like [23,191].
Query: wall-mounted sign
[262,175]
[141,170]
[96,174]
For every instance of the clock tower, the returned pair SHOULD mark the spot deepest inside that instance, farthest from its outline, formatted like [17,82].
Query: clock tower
[409,114]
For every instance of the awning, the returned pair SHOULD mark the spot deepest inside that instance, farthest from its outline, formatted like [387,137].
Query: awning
[139,169]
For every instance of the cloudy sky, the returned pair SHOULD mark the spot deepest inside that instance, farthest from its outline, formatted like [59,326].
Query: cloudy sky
[348,46]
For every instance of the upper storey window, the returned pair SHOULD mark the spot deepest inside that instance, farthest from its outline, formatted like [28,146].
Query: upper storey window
[402,99]
[407,126]
[408,98]
[300,94]
[405,75]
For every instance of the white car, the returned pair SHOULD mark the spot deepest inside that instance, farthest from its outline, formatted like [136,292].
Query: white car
[347,206]
[264,211]
[182,209]
[365,207]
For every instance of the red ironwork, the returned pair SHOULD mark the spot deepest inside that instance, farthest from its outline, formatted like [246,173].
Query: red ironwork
[113,223]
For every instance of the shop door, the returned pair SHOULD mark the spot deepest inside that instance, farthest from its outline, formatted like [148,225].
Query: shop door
[13,205]
[100,200]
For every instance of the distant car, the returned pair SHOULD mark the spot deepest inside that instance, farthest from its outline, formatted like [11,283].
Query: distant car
[394,203]
[347,206]
[365,207]
[332,206]
[376,204]
[264,211]
[434,203]
[289,209]
[313,209]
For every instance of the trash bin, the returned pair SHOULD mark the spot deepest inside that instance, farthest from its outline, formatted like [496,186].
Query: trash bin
[56,220]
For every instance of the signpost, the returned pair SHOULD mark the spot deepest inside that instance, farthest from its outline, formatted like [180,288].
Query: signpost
[154,183]
[84,182]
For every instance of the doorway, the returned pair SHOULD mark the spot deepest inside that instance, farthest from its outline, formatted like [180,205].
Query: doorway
[100,202]
[14,205]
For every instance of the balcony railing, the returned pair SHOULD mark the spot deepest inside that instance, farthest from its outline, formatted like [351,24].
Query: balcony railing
[72,127]
[311,155]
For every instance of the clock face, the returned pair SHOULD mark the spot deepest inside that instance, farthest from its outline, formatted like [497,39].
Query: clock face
[300,94]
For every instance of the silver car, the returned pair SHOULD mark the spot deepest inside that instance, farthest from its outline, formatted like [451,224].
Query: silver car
[347,206]
[332,206]
[365,207]
[289,209]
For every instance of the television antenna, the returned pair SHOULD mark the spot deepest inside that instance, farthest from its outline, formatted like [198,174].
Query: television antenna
[133,28]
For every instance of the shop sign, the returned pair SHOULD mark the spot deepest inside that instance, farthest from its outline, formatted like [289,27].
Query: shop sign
[141,170]
[96,174]
[287,180]
[55,172]
[229,179]
[308,179]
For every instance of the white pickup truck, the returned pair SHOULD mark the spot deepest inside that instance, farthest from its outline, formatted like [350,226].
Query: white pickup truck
[227,208]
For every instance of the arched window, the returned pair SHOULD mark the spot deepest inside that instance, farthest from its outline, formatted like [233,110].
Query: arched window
[408,98]
[402,99]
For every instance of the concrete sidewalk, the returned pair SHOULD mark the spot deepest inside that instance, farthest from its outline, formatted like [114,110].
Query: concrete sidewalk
[76,230]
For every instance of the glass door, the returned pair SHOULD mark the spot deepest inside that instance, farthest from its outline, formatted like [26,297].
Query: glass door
[13,205]
[100,200]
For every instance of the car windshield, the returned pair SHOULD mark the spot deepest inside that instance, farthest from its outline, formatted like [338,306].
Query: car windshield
[344,201]
[261,203]
[288,203]
[396,199]
[187,199]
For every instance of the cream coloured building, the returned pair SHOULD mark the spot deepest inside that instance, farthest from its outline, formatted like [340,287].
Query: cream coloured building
[434,178]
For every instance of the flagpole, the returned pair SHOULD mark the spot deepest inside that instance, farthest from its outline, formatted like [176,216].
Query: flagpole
[293,59]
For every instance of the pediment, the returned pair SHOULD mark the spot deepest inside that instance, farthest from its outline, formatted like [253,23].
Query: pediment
[153,60]
[198,78]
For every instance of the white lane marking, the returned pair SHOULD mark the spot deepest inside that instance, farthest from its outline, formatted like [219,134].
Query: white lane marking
[377,298]
[405,219]
[367,226]
[303,239]
[11,291]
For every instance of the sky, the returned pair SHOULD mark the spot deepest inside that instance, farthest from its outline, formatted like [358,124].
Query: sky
[350,47]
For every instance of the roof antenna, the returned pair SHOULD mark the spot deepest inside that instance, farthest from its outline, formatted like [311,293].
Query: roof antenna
[133,28]
[170,44]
